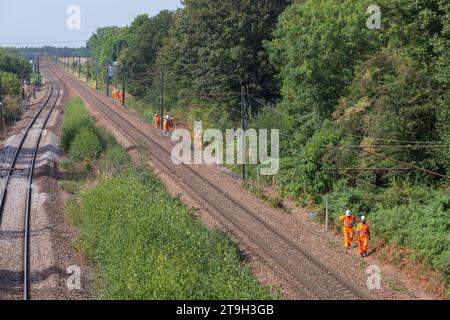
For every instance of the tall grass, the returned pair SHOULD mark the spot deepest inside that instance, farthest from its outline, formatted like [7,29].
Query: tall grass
[146,245]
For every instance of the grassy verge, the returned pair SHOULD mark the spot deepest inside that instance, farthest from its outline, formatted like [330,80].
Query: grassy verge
[144,243]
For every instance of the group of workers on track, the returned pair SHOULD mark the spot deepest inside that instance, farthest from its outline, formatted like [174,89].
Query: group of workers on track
[167,123]
[168,126]
[117,95]
[362,232]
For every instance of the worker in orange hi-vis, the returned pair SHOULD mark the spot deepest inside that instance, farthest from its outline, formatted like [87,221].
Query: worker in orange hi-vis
[363,236]
[165,124]
[199,140]
[120,96]
[348,221]
[156,121]
[172,124]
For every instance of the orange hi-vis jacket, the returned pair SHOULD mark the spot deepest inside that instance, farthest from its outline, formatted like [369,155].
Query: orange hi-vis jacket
[363,237]
[347,229]
[363,231]
[348,223]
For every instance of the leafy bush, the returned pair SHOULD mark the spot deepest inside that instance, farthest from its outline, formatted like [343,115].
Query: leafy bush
[85,146]
[10,83]
[315,48]
[307,171]
[76,117]
[423,227]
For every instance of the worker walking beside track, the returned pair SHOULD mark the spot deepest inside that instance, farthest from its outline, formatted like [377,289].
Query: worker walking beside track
[348,220]
[363,236]
[166,124]
[172,124]
[156,121]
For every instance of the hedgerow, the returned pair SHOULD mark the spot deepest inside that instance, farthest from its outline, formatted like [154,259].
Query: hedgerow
[76,117]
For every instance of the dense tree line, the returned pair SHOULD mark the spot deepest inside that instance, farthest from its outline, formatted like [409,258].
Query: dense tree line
[32,52]
[14,68]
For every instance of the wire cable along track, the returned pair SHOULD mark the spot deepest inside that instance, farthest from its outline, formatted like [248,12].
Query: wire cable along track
[21,165]
[311,276]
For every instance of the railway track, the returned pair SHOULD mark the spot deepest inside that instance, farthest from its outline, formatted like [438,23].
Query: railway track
[16,196]
[311,277]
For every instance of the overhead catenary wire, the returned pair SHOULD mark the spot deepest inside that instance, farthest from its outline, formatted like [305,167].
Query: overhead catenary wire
[406,164]
[363,149]
[272,108]
[366,183]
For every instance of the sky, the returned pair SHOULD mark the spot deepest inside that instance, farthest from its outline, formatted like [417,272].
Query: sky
[36,23]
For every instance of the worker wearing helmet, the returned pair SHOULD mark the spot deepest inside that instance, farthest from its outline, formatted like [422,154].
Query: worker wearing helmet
[165,124]
[363,236]
[348,221]
[169,124]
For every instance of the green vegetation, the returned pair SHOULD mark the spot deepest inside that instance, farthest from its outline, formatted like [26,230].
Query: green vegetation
[80,136]
[86,145]
[143,243]
[350,102]
[13,69]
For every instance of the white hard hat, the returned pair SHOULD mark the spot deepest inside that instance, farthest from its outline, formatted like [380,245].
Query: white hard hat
[348,213]
[363,218]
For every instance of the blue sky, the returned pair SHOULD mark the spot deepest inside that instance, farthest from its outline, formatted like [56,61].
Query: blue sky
[40,22]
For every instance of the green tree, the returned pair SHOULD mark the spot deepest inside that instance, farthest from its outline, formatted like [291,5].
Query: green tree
[145,38]
[10,84]
[391,99]
[316,46]
[11,61]
[106,44]
[422,27]
[217,46]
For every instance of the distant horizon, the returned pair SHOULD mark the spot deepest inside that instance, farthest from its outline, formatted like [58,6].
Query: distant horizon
[48,19]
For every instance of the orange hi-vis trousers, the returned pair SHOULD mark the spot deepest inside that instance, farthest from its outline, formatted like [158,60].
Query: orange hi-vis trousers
[363,237]
[363,243]
[348,236]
